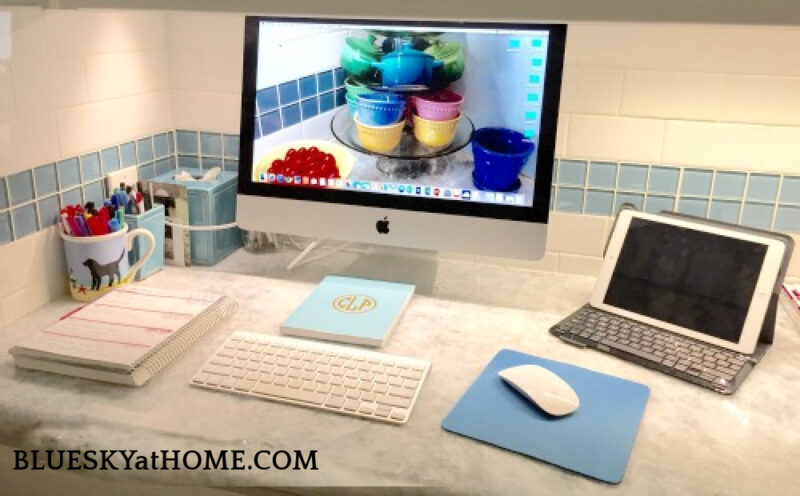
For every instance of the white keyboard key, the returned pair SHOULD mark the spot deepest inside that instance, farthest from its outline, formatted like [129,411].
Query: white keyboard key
[290,394]
[366,408]
[244,384]
[217,369]
[401,392]
[411,374]
[335,402]
[398,415]
[385,399]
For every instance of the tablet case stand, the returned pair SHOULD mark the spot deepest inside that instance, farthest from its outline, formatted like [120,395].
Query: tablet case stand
[767,335]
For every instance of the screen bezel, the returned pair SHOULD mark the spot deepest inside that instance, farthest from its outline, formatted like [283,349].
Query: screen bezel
[537,213]
[758,304]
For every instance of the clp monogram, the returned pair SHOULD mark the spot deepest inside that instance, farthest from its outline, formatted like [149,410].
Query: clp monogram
[354,303]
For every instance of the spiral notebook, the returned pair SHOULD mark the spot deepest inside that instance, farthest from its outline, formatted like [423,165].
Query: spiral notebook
[127,336]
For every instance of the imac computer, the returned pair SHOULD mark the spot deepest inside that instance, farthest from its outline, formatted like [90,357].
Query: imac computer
[431,135]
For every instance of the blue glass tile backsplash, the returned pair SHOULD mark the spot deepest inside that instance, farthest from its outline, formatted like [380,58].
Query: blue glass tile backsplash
[292,102]
[768,201]
[31,200]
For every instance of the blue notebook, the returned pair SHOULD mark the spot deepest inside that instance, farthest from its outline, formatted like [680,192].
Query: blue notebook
[350,310]
[596,440]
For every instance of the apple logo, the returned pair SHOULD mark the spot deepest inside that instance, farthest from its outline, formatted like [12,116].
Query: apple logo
[382,226]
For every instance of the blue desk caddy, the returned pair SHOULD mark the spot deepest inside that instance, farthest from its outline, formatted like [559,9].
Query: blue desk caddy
[153,221]
[210,203]
[596,440]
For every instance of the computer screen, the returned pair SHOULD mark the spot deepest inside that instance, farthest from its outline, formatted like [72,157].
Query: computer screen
[454,118]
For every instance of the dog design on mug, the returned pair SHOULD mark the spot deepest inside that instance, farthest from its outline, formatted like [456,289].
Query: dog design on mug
[99,270]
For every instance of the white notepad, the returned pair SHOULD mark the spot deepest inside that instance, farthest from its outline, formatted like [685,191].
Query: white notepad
[127,336]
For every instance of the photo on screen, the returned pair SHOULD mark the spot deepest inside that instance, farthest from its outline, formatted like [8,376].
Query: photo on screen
[449,113]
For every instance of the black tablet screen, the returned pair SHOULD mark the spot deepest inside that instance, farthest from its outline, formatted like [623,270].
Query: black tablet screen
[693,279]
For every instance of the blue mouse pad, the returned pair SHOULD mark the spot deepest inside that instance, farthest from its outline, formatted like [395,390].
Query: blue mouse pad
[595,440]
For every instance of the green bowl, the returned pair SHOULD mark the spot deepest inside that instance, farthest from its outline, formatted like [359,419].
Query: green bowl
[451,53]
[355,88]
[358,56]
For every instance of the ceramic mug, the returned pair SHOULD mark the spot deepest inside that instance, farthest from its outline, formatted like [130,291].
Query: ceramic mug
[98,264]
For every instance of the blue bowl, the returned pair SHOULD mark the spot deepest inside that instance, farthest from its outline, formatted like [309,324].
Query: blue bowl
[499,154]
[380,109]
[352,105]
[406,66]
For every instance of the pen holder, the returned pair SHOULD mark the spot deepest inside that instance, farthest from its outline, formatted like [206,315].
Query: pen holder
[98,264]
[153,221]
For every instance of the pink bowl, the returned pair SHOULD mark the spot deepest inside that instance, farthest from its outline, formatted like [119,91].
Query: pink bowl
[442,105]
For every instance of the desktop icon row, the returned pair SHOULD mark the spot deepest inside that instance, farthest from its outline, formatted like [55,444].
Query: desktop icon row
[395,188]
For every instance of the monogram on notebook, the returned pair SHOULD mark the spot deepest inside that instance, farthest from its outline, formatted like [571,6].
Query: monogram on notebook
[354,303]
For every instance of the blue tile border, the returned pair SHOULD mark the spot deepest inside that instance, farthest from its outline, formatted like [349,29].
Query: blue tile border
[758,199]
[766,200]
[291,102]
[30,200]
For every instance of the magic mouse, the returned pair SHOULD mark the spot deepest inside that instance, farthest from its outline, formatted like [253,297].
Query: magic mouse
[543,388]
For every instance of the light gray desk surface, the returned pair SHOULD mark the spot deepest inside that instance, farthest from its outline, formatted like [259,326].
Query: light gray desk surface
[691,441]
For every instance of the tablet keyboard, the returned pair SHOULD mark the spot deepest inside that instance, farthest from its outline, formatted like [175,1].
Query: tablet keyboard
[319,375]
[698,362]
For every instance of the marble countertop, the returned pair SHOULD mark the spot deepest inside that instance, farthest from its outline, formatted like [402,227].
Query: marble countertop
[692,441]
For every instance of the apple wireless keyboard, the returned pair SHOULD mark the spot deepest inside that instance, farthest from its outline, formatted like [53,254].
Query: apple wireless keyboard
[315,374]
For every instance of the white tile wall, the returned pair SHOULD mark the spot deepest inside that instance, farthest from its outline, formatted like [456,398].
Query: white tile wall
[32,271]
[118,75]
[603,137]
[78,80]
[205,55]
[672,95]
[197,109]
[576,234]
[763,99]
[296,57]
[782,149]
[591,90]
[74,81]
[738,146]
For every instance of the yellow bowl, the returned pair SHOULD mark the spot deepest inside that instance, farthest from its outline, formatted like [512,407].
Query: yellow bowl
[380,139]
[344,158]
[435,133]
